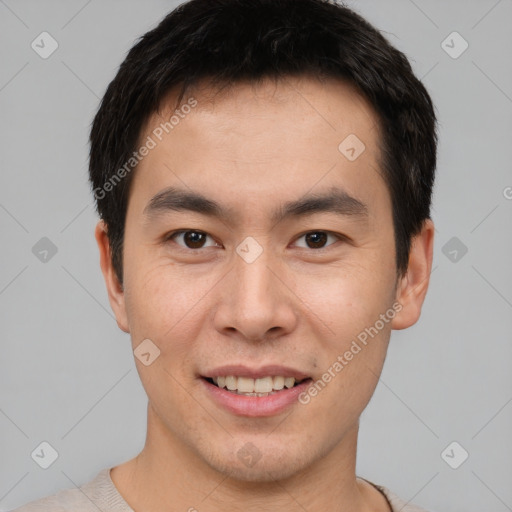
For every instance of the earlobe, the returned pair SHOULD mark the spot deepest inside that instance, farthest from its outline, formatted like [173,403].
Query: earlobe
[115,290]
[413,285]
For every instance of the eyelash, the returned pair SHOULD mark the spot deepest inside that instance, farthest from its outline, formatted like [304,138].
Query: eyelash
[170,236]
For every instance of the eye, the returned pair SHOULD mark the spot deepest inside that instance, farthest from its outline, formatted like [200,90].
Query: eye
[318,239]
[192,239]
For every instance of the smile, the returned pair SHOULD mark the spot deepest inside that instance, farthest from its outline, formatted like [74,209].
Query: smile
[261,387]
[255,393]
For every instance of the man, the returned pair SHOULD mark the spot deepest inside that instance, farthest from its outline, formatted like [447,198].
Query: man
[263,171]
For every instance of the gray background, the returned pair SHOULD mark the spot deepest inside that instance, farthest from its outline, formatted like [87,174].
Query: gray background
[67,372]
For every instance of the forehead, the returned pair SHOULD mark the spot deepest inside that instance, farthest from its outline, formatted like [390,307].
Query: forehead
[254,142]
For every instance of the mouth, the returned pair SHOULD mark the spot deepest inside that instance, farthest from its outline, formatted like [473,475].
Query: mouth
[263,393]
[260,387]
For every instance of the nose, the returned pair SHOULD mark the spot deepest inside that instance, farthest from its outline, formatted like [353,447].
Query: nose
[257,302]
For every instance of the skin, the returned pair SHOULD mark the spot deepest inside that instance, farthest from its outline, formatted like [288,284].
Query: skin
[252,148]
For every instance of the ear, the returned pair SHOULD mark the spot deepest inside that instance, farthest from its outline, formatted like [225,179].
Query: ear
[412,286]
[114,288]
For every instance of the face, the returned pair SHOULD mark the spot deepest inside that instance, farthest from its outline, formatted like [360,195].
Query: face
[259,249]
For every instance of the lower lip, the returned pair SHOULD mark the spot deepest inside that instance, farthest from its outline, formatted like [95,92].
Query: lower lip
[255,406]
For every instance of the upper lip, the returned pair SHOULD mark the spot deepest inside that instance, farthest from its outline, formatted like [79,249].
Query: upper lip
[240,370]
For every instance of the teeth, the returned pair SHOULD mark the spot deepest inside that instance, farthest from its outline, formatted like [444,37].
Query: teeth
[264,385]
[245,385]
[289,382]
[254,387]
[278,383]
[231,383]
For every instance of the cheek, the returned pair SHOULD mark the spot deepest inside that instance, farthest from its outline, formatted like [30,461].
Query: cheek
[163,302]
[348,297]
[352,351]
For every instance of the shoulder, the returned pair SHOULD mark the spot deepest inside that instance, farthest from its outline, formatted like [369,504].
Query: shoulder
[64,501]
[99,493]
[396,503]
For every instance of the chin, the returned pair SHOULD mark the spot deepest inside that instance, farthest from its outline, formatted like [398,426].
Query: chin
[266,466]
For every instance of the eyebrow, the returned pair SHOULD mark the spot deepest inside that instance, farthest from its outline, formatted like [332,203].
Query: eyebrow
[336,200]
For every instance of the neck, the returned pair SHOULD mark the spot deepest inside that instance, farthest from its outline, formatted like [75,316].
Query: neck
[167,472]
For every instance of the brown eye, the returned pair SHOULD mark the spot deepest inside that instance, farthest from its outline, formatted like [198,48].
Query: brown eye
[194,239]
[190,239]
[318,239]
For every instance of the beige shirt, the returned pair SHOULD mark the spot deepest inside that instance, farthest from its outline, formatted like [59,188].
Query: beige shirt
[101,495]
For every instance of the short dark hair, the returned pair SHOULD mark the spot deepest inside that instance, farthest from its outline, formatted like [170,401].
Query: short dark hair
[228,41]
